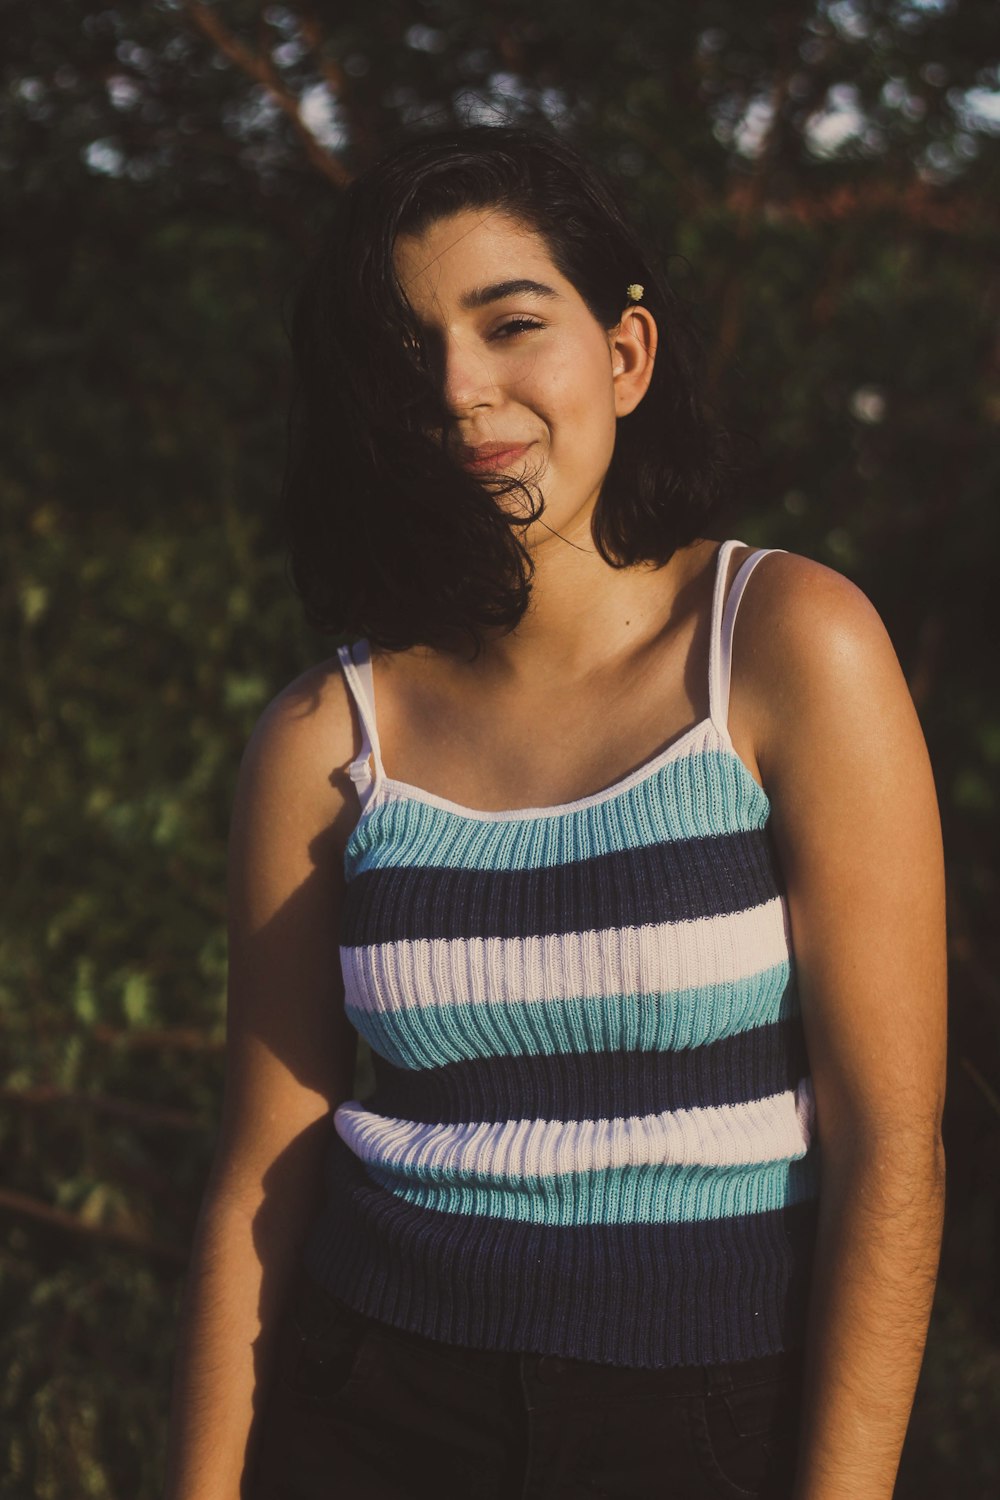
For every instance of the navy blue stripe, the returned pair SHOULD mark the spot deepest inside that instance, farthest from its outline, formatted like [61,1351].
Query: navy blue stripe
[596,1085]
[679,881]
[637,1294]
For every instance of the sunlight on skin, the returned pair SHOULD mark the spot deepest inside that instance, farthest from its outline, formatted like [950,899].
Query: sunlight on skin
[533,368]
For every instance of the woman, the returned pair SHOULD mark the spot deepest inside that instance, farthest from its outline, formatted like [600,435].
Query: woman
[640,913]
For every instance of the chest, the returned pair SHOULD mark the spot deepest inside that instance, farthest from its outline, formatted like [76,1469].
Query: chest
[651,917]
[492,748]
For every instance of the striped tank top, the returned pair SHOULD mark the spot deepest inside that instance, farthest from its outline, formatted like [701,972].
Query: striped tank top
[591,1132]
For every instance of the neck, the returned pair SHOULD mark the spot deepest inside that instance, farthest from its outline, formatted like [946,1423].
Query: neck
[584,613]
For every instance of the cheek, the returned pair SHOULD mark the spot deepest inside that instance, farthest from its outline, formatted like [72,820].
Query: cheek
[583,406]
[574,387]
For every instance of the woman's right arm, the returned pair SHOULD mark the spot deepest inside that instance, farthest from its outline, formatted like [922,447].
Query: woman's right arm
[290,1056]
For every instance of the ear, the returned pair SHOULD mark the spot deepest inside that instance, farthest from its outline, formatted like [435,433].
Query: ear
[633,351]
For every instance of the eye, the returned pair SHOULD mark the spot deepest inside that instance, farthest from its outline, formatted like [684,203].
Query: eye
[514,327]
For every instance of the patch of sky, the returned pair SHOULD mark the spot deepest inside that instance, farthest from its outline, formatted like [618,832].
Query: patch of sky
[254,113]
[896,95]
[977,109]
[553,103]
[867,404]
[522,98]
[135,56]
[287,54]
[123,92]
[839,119]
[849,20]
[104,157]
[751,129]
[713,39]
[506,83]
[919,7]
[478,109]
[282,19]
[142,168]
[426,39]
[319,114]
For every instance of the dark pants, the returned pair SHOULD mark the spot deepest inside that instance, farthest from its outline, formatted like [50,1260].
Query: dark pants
[363,1411]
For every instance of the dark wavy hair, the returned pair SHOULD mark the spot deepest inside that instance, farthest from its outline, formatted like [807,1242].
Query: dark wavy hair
[388,537]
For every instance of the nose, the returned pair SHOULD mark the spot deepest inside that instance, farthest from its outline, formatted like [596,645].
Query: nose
[467,377]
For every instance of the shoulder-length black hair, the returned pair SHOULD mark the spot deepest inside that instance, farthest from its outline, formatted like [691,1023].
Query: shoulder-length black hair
[388,537]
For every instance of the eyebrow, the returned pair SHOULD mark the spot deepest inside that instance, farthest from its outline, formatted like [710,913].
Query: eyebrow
[481,296]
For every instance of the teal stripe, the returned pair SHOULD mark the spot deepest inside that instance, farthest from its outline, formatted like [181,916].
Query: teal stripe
[651,1194]
[429,1036]
[699,795]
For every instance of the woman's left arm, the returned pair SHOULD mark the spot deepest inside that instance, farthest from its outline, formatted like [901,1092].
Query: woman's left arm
[856,825]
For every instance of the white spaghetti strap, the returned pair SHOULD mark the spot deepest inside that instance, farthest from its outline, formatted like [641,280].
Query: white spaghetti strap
[357,668]
[716,701]
[723,623]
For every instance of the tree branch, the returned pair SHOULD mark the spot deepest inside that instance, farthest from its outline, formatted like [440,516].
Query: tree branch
[330,69]
[261,69]
[57,1218]
[184,1038]
[44,1094]
[748,210]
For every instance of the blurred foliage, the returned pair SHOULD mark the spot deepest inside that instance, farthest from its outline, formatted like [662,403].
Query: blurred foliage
[824,177]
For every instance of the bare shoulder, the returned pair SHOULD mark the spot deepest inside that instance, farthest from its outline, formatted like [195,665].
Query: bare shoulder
[309,726]
[294,768]
[840,748]
[815,612]
[811,654]
[314,709]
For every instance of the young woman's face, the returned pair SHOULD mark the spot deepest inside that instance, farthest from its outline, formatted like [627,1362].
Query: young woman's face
[534,383]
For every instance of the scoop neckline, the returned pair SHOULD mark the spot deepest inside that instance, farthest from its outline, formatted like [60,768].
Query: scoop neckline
[605,794]
[709,725]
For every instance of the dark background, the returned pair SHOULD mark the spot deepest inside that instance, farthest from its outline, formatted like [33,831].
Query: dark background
[824,179]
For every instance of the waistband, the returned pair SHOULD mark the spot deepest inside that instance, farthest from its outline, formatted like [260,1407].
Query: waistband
[314,1301]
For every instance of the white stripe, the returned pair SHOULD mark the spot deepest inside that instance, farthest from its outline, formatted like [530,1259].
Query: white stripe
[777,1128]
[651,959]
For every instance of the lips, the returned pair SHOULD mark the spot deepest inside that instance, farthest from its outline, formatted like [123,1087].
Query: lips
[491,455]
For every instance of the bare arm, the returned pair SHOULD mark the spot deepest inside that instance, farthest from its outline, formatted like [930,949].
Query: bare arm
[856,822]
[290,1057]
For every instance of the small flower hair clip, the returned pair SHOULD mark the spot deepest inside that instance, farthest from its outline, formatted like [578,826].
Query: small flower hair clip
[634,291]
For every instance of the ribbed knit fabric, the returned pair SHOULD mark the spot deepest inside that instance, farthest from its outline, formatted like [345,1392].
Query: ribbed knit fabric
[591,1132]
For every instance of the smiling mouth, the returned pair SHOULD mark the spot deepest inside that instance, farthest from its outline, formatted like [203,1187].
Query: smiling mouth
[492,456]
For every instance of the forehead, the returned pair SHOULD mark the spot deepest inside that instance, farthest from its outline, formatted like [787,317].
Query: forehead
[453,256]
